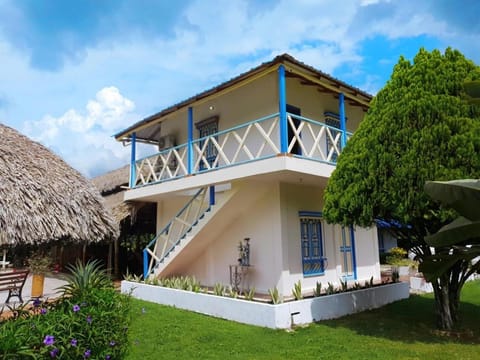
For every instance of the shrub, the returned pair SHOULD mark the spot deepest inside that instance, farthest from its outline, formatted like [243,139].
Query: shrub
[219,289]
[249,294]
[90,322]
[275,296]
[85,278]
[396,256]
[297,290]
[330,289]
[318,289]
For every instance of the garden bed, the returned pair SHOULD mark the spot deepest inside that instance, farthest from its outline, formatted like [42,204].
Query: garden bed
[279,316]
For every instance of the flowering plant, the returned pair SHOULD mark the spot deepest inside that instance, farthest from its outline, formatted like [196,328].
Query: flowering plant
[88,325]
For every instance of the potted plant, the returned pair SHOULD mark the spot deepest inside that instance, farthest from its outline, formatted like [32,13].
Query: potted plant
[38,264]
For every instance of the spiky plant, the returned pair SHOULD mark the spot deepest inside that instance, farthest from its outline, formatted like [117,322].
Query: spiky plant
[84,278]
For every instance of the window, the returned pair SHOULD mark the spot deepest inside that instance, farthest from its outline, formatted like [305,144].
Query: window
[311,233]
[205,128]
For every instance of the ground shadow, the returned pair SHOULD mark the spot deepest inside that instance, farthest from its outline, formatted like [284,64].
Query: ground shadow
[412,320]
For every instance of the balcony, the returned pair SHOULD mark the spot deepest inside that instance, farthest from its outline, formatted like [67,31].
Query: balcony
[264,138]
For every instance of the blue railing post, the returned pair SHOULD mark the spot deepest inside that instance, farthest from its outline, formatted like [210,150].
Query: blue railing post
[343,127]
[189,143]
[133,175]
[282,109]
[145,264]
[212,195]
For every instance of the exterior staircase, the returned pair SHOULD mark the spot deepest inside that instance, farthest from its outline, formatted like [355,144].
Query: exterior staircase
[181,231]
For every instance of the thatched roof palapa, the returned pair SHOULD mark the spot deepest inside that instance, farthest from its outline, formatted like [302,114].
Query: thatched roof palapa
[112,187]
[42,198]
[112,181]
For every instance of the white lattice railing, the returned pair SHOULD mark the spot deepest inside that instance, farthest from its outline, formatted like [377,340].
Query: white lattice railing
[171,235]
[313,140]
[256,140]
[247,142]
[165,165]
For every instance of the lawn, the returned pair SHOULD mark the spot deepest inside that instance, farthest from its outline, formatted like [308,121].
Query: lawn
[403,330]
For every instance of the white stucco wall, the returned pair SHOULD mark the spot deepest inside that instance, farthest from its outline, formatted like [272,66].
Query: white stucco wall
[258,222]
[256,100]
[297,197]
[267,213]
[247,103]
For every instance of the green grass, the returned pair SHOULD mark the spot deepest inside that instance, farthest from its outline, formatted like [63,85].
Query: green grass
[403,330]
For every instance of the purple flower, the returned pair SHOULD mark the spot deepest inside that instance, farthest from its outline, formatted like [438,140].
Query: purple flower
[37,302]
[87,353]
[43,311]
[76,308]
[89,319]
[112,343]
[49,340]
[107,357]
[54,353]
[73,342]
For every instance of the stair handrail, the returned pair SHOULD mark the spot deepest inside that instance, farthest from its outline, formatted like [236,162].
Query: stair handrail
[149,265]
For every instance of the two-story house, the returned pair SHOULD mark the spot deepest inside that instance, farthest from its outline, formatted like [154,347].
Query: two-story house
[250,158]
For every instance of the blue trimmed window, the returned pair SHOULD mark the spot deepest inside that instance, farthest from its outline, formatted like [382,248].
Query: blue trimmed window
[311,232]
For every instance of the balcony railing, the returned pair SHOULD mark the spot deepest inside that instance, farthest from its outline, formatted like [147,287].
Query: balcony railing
[252,141]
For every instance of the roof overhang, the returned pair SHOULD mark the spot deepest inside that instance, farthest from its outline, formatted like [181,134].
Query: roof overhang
[148,130]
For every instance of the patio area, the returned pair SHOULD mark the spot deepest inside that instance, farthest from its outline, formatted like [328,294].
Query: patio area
[50,289]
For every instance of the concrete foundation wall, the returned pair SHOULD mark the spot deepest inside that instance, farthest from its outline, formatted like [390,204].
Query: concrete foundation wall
[281,316]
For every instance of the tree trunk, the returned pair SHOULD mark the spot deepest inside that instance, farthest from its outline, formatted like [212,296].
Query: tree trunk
[447,299]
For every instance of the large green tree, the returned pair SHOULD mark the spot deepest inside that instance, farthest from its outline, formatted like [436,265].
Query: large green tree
[419,127]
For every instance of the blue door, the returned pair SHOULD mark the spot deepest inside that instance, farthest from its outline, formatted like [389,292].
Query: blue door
[347,253]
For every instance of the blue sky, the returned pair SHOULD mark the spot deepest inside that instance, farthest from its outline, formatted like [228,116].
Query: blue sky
[75,72]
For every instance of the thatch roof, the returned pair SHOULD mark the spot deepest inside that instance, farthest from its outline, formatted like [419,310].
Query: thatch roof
[42,198]
[112,181]
[112,186]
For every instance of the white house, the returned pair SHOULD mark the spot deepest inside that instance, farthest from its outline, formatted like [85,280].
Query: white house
[250,158]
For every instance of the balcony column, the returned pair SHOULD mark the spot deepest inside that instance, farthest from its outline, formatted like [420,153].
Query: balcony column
[282,109]
[343,127]
[133,156]
[190,163]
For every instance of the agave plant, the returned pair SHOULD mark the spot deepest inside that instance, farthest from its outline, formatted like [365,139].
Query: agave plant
[84,278]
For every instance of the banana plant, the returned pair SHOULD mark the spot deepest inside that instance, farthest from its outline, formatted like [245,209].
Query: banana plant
[459,240]
[455,246]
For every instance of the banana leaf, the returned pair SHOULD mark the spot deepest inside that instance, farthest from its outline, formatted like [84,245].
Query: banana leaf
[460,230]
[461,195]
[436,265]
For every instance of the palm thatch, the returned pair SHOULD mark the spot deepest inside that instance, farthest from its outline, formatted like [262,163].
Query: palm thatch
[112,181]
[43,199]
[112,186]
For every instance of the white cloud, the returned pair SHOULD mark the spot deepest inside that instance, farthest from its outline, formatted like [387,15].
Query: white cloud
[83,137]
[210,44]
